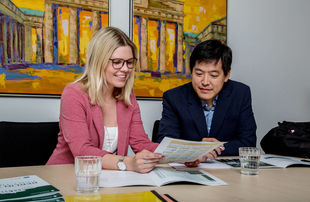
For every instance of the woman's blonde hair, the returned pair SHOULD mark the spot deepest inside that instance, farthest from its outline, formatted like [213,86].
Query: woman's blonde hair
[99,51]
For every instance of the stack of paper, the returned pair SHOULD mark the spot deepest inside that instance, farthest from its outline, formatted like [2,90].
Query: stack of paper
[28,188]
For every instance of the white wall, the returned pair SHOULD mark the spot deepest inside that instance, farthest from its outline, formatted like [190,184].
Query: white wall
[270,42]
[44,109]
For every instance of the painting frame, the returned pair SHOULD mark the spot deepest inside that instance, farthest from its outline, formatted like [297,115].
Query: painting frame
[155,73]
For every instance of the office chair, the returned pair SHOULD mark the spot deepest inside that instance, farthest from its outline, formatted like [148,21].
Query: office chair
[27,143]
[155,131]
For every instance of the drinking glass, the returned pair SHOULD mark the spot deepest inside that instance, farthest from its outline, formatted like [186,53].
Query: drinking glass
[87,171]
[249,160]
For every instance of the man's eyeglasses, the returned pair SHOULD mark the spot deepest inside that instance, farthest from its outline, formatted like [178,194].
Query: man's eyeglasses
[118,63]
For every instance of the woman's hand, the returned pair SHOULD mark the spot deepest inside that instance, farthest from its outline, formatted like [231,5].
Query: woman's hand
[144,161]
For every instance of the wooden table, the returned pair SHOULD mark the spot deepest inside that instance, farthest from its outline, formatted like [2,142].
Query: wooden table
[287,184]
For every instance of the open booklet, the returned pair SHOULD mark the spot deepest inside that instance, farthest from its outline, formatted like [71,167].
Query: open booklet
[28,188]
[158,177]
[284,161]
[217,164]
[176,150]
[266,161]
[270,161]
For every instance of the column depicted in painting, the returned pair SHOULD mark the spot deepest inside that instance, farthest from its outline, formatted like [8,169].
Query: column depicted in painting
[12,19]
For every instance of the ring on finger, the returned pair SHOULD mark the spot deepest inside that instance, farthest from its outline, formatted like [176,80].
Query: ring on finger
[146,161]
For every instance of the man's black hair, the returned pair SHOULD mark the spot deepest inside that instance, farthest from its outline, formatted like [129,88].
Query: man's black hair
[212,51]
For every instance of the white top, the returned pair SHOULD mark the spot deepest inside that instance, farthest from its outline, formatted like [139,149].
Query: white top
[110,139]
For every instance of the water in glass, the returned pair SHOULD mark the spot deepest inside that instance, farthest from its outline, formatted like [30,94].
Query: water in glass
[249,160]
[87,170]
[249,164]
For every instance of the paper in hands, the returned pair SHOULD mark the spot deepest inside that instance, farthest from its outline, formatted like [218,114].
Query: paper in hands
[180,151]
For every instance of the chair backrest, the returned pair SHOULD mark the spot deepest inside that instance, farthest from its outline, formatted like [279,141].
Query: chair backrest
[155,131]
[27,143]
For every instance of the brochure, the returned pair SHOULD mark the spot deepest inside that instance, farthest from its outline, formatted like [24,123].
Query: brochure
[235,163]
[180,151]
[266,161]
[158,177]
[284,161]
[28,188]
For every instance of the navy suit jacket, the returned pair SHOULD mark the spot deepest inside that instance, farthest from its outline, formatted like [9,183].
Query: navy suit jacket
[233,119]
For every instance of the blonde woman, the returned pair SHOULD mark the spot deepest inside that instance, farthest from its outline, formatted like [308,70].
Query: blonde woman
[99,114]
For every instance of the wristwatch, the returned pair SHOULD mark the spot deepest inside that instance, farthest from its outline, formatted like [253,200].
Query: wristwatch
[120,164]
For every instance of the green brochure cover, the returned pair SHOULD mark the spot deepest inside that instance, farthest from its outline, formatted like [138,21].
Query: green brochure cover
[27,188]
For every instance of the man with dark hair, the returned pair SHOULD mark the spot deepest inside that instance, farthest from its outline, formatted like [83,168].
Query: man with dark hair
[211,107]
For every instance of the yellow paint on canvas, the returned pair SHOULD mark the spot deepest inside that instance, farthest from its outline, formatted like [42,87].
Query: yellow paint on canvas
[63,34]
[50,81]
[104,20]
[153,50]
[199,13]
[2,80]
[147,86]
[170,46]
[30,4]
[35,84]
[85,33]
[34,44]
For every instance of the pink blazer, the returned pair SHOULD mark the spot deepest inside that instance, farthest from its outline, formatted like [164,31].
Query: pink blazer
[82,129]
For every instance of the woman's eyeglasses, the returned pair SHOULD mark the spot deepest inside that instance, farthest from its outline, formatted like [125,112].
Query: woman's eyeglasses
[118,63]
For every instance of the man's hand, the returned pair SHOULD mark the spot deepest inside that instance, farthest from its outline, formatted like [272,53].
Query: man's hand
[217,151]
[211,155]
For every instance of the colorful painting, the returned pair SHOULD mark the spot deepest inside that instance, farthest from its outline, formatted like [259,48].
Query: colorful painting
[43,42]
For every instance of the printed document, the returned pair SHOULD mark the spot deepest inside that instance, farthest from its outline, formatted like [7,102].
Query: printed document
[180,151]
[28,188]
[158,177]
[266,161]
[284,161]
